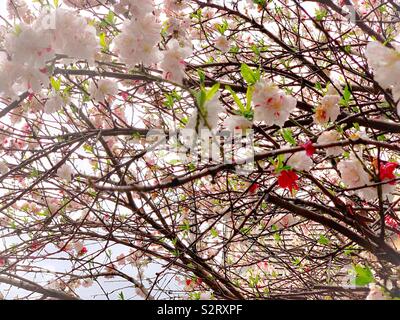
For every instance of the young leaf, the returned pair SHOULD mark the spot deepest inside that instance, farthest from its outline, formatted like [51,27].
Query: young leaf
[287,135]
[250,76]
[249,96]
[210,93]
[56,84]
[364,275]
[236,99]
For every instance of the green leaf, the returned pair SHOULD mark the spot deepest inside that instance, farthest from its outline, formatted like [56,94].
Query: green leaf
[287,135]
[201,98]
[236,99]
[211,93]
[382,137]
[320,14]
[103,42]
[250,76]
[346,97]
[121,296]
[214,233]
[56,84]
[356,126]
[364,275]
[323,240]
[202,76]
[249,97]
[222,27]
[185,226]
[110,17]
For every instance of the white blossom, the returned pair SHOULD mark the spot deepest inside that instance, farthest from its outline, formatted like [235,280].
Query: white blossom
[354,176]
[54,103]
[137,8]
[271,104]
[328,110]
[137,43]
[173,62]
[236,122]
[223,44]
[375,293]
[3,168]
[385,62]
[65,172]
[300,161]
[103,88]
[72,34]
[330,137]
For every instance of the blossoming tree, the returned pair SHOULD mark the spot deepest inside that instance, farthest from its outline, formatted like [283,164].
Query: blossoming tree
[199,149]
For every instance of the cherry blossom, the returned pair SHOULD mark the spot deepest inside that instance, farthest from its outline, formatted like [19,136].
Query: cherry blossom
[271,105]
[104,87]
[137,8]
[385,62]
[310,149]
[54,103]
[330,137]
[300,161]
[3,168]
[328,110]
[173,62]
[138,40]
[236,122]
[65,172]
[223,44]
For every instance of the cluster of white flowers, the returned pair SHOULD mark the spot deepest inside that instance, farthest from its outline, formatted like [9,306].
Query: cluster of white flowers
[354,176]
[271,104]
[223,44]
[300,161]
[30,47]
[54,103]
[386,65]
[173,63]
[19,8]
[137,8]
[328,110]
[236,122]
[330,137]
[65,172]
[67,41]
[137,43]
[104,87]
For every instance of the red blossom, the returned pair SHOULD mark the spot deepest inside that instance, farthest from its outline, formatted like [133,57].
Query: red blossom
[386,171]
[83,251]
[287,179]
[391,222]
[254,187]
[35,245]
[2,262]
[310,149]
[124,95]
[188,282]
